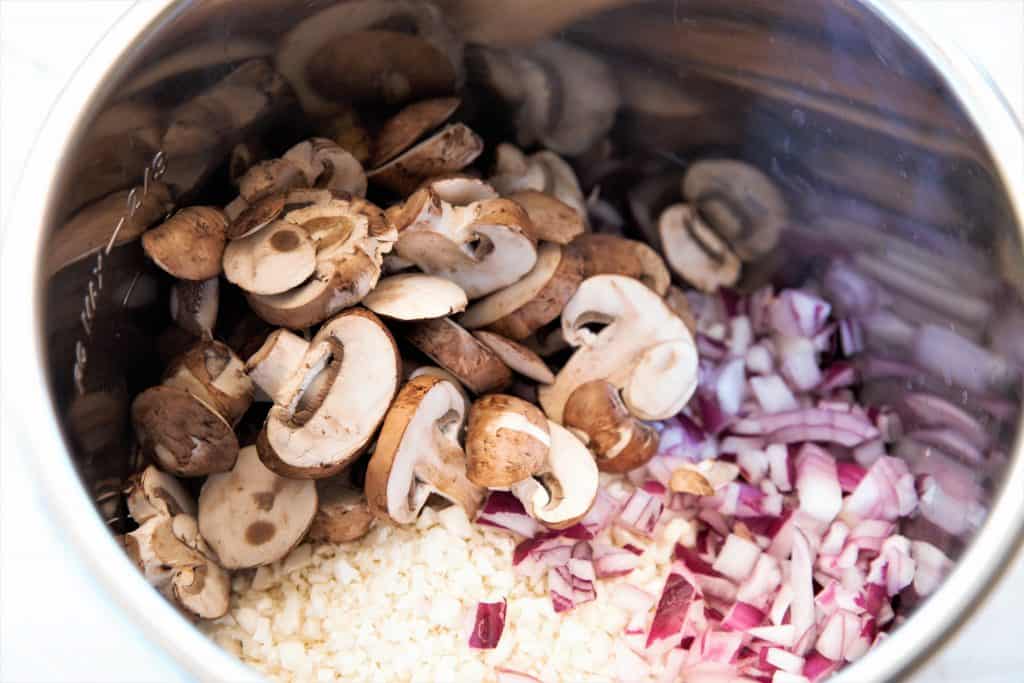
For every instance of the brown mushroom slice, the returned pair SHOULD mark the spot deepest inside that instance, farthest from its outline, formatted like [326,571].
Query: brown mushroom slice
[634,319]
[194,305]
[247,218]
[514,172]
[202,590]
[418,453]
[272,260]
[274,362]
[560,180]
[742,204]
[613,255]
[620,441]
[189,244]
[507,440]
[414,296]
[181,434]
[451,149]
[251,516]
[441,373]
[213,373]
[567,483]
[152,493]
[519,358]
[348,131]
[244,156]
[456,350]
[343,515]
[548,340]
[482,247]
[394,264]
[316,436]
[680,305]
[340,170]
[461,190]
[402,130]
[553,220]
[527,305]
[158,552]
[648,198]
[695,252]
[271,177]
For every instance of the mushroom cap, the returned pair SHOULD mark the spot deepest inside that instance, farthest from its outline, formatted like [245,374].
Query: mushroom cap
[152,493]
[635,319]
[418,453]
[460,189]
[663,379]
[742,204]
[695,252]
[459,352]
[189,244]
[570,480]
[337,169]
[482,247]
[181,434]
[441,373]
[450,149]
[317,436]
[194,305]
[519,358]
[614,255]
[507,440]
[560,180]
[620,441]
[414,296]
[271,260]
[212,372]
[251,516]
[525,306]
[553,220]
[403,129]
[343,514]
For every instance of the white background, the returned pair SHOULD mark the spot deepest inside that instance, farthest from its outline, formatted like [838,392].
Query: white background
[55,625]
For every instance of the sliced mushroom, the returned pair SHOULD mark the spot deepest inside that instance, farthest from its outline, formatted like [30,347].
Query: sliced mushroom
[451,149]
[441,373]
[635,319]
[680,305]
[189,244]
[519,358]
[213,373]
[316,435]
[182,434]
[548,340]
[275,361]
[343,514]
[152,493]
[271,260]
[194,305]
[347,131]
[247,218]
[507,440]
[695,252]
[562,493]
[612,255]
[553,220]
[742,204]
[620,441]
[251,516]
[339,170]
[543,171]
[403,129]
[418,453]
[460,189]
[538,298]
[662,380]
[244,156]
[648,198]
[271,177]
[459,352]
[414,296]
[481,247]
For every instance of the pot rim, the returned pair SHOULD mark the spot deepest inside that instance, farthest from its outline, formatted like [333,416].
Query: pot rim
[932,624]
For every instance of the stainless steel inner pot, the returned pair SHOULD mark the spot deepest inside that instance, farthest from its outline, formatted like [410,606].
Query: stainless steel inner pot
[879,138]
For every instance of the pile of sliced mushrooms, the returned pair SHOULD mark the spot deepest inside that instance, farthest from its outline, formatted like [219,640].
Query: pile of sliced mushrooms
[466,333]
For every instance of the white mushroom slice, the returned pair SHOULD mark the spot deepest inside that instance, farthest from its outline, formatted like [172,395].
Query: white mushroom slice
[274,362]
[418,453]
[441,373]
[451,149]
[189,244]
[340,170]
[414,296]
[394,264]
[518,357]
[271,177]
[695,252]
[303,156]
[742,204]
[405,128]
[194,305]
[272,260]
[343,514]
[461,190]
[251,516]
[481,247]
[459,352]
[316,436]
[553,220]
[613,255]
[212,372]
[663,380]
[560,180]
[152,493]
[507,441]
[544,172]
[527,305]
[634,319]
[620,441]
[568,481]
[247,218]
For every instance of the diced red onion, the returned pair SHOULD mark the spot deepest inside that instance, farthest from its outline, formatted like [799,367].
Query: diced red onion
[868,452]
[671,610]
[601,514]
[837,376]
[759,359]
[817,667]
[932,567]
[801,581]
[737,558]
[633,549]
[741,335]
[785,660]
[505,511]
[753,464]
[758,588]
[773,394]
[783,635]
[681,437]
[740,444]
[838,635]
[630,598]
[945,510]
[710,348]
[781,467]
[796,313]
[488,625]
[714,647]
[851,337]
[710,413]
[798,362]
[655,488]
[850,474]
[613,562]
[759,308]
[641,512]
[742,616]
[894,568]
[825,340]
[817,483]
[886,492]
[849,428]
[743,500]
[730,386]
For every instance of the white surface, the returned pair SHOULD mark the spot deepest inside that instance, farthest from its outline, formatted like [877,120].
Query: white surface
[55,625]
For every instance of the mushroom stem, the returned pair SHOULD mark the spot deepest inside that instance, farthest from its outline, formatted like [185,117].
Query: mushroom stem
[274,362]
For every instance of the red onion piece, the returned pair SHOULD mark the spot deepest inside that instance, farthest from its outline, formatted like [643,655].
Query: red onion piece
[633,549]
[850,474]
[784,660]
[488,625]
[851,337]
[817,483]
[759,587]
[858,427]
[849,289]
[817,667]
[737,558]
[886,492]
[710,413]
[783,635]
[655,488]
[714,647]
[781,467]
[601,514]
[838,635]
[894,568]
[741,335]
[773,394]
[615,562]
[801,581]
[742,616]
[798,362]
[671,610]
[759,307]
[680,436]
[630,598]
[710,348]
[753,465]
[932,567]
[837,376]
[512,676]
[505,511]
[796,313]
[641,512]
[759,359]
[730,386]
